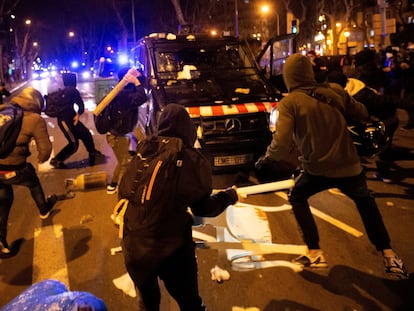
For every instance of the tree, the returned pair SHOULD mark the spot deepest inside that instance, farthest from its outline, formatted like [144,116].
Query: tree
[6,8]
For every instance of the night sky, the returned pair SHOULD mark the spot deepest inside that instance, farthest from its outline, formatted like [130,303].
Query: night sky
[94,20]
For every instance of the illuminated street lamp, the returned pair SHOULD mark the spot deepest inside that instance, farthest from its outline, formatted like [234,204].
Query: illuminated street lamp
[265,10]
[347,34]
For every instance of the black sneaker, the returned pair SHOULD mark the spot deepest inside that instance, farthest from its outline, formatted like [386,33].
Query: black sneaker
[395,267]
[4,247]
[92,159]
[307,261]
[50,203]
[57,164]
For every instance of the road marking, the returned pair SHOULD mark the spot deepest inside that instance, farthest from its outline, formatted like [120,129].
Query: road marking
[49,258]
[333,221]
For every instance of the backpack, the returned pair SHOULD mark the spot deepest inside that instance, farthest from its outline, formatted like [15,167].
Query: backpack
[55,103]
[11,118]
[154,186]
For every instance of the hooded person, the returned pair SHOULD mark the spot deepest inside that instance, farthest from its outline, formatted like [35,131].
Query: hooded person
[380,106]
[16,170]
[313,117]
[118,121]
[166,249]
[70,125]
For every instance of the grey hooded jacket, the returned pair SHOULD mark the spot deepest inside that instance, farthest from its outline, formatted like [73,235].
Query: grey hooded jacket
[317,128]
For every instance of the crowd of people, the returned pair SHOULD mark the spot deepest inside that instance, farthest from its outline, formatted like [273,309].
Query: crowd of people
[383,83]
[328,159]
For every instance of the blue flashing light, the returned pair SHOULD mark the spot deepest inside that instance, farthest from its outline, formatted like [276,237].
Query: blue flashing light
[123,59]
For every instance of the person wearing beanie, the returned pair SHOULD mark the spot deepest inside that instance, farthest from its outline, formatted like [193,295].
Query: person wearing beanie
[314,117]
[70,125]
[16,170]
[166,249]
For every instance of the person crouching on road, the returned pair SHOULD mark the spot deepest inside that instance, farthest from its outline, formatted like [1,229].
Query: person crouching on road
[15,170]
[312,117]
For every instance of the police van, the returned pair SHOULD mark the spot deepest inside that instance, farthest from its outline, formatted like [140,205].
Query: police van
[222,87]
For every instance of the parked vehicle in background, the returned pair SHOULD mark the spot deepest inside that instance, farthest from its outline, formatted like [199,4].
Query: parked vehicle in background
[222,88]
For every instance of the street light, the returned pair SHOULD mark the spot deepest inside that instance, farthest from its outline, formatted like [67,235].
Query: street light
[265,9]
[347,34]
[236,18]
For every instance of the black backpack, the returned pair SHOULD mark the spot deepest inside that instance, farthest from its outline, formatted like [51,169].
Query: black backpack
[155,186]
[11,118]
[55,103]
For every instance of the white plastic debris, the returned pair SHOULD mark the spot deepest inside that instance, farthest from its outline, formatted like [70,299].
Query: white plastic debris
[116,250]
[126,285]
[219,275]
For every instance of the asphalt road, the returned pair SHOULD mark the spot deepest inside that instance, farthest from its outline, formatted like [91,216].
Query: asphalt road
[74,245]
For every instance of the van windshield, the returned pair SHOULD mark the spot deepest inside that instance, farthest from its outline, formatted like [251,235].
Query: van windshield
[214,72]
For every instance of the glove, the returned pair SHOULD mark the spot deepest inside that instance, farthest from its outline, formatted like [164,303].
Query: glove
[262,161]
[233,194]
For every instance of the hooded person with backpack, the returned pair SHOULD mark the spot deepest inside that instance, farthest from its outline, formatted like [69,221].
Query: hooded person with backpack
[157,226]
[314,117]
[15,170]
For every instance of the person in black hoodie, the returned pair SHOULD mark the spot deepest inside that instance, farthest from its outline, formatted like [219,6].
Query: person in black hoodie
[70,125]
[118,120]
[167,251]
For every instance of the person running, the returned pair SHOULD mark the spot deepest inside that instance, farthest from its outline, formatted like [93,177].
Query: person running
[16,170]
[70,125]
[313,117]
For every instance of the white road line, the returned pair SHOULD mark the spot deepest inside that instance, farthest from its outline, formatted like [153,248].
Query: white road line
[49,258]
[333,221]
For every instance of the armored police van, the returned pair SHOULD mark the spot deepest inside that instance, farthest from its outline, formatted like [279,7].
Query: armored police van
[219,82]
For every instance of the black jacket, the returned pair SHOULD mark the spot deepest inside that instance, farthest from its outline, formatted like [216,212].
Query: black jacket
[121,115]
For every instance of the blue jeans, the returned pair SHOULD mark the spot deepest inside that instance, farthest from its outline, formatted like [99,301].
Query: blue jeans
[355,188]
[24,177]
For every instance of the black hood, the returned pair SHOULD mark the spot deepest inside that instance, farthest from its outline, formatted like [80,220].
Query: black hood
[175,122]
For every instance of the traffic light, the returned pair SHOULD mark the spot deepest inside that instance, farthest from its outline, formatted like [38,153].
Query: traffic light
[294,26]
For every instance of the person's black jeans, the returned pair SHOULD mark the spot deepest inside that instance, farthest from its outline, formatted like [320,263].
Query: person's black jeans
[354,187]
[24,177]
[145,261]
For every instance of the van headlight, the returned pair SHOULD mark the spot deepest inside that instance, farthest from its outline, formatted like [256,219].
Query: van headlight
[274,114]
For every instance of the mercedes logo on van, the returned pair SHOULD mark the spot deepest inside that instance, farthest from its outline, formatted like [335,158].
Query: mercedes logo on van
[232,125]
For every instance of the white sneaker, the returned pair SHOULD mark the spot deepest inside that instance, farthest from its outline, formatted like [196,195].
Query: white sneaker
[395,266]
[112,189]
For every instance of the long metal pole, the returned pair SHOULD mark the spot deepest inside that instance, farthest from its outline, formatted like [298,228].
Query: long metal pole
[134,36]
[236,16]
[278,23]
